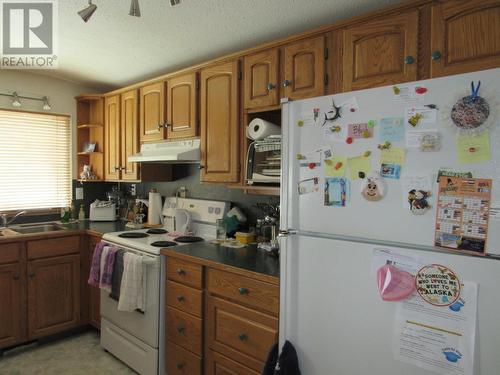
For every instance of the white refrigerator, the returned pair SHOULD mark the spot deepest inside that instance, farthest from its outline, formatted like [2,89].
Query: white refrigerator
[331,310]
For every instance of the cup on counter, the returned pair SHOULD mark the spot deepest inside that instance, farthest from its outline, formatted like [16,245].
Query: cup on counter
[220,227]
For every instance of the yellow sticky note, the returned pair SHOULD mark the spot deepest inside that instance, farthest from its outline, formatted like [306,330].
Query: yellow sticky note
[335,167]
[393,155]
[359,164]
[473,149]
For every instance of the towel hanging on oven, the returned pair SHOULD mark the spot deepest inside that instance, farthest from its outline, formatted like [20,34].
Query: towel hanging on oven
[133,285]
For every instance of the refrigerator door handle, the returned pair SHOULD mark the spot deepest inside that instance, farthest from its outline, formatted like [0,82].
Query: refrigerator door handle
[286,232]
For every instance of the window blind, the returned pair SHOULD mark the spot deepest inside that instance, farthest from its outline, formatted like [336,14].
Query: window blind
[35,161]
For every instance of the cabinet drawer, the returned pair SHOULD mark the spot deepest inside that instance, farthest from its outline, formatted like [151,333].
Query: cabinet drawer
[184,330]
[217,364]
[250,292]
[184,298]
[53,247]
[10,252]
[184,272]
[243,334]
[182,362]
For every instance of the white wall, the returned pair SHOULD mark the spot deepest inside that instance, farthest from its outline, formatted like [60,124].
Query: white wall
[61,95]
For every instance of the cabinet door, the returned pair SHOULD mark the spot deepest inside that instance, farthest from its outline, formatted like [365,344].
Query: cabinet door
[217,364]
[112,137]
[94,292]
[465,36]
[380,52]
[182,105]
[219,123]
[11,317]
[152,115]
[129,135]
[260,72]
[53,295]
[304,69]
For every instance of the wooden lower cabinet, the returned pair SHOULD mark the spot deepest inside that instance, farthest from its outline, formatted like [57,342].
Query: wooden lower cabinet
[212,328]
[11,305]
[94,292]
[53,295]
[217,364]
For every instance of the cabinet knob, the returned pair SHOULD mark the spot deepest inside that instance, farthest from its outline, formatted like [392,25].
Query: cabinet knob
[201,166]
[179,366]
[180,298]
[243,336]
[160,126]
[15,276]
[409,60]
[270,86]
[243,291]
[117,169]
[286,83]
[180,329]
[180,271]
[166,125]
[31,274]
[436,55]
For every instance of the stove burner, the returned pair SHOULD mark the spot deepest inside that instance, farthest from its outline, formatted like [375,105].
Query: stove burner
[157,231]
[188,239]
[163,244]
[133,235]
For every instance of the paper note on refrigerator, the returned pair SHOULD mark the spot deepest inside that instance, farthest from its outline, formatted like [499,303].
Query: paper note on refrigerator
[391,129]
[473,149]
[393,155]
[438,338]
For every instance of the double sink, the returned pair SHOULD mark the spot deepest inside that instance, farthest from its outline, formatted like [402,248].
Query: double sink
[30,229]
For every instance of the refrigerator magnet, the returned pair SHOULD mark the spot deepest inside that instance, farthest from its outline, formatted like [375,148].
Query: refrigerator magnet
[373,187]
[437,285]
[310,185]
[418,200]
[336,193]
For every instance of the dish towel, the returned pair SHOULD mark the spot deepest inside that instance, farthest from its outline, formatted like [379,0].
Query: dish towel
[107,271]
[95,267]
[133,286]
[116,280]
[104,255]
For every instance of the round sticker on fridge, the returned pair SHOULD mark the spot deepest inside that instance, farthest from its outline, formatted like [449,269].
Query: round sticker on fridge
[437,285]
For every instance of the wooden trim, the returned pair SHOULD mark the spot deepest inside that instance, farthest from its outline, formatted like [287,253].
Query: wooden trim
[411,4]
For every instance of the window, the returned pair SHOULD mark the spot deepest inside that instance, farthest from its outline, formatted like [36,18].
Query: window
[35,162]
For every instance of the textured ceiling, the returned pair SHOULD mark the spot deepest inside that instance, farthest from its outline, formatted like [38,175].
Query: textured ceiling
[114,49]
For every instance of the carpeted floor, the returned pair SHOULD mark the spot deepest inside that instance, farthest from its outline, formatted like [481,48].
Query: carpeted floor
[75,355]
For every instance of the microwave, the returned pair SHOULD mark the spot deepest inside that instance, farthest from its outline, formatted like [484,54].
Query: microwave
[263,163]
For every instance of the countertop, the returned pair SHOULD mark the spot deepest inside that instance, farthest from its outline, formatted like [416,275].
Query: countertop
[248,258]
[97,228]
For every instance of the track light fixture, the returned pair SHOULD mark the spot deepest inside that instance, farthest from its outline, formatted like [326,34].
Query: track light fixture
[135,11]
[46,105]
[88,11]
[15,100]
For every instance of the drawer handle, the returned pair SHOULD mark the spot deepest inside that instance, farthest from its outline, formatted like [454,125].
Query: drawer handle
[286,83]
[270,86]
[15,276]
[180,329]
[409,60]
[180,298]
[31,274]
[243,291]
[179,366]
[180,271]
[243,337]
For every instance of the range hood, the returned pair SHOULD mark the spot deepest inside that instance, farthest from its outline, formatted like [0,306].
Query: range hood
[176,152]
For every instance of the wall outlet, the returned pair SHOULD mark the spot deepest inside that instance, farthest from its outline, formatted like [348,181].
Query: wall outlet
[182,192]
[133,190]
[79,193]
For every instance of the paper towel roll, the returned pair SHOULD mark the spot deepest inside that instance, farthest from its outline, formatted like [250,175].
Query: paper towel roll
[260,129]
[154,210]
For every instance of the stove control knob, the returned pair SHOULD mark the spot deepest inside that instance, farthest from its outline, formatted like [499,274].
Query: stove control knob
[210,210]
[217,211]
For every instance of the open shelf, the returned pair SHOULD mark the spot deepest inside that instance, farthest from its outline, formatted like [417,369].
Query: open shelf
[89,126]
[80,180]
[89,153]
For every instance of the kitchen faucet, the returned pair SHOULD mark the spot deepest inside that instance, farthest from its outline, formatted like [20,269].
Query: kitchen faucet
[5,221]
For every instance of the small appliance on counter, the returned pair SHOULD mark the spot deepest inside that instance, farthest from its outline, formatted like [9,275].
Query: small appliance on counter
[102,211]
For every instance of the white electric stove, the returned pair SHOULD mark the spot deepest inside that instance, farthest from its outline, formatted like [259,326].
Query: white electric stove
[137,338]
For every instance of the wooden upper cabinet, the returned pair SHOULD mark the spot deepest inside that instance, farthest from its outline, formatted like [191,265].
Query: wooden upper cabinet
[380,52]
[53,295]
[182,105]
[11,298]
[219,123]
[304,68]
[261,79]
[465,36]
[112,137]
[129,135]
[152,114]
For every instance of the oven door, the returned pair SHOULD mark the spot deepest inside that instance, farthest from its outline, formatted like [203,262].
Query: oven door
[144,326]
